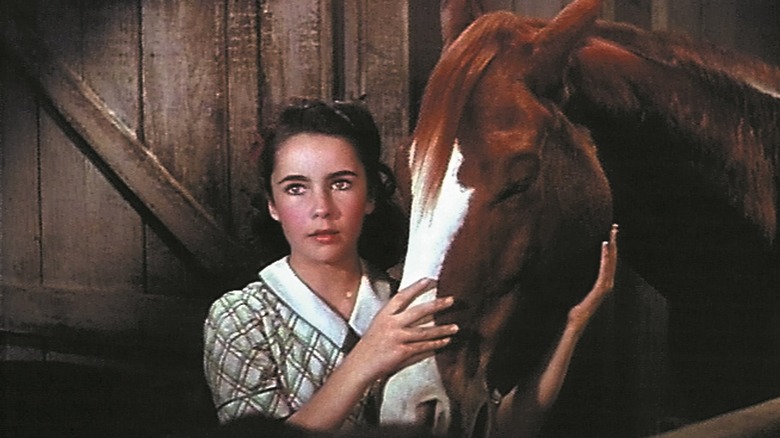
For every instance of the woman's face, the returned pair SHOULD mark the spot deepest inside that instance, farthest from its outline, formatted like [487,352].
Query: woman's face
[320,197]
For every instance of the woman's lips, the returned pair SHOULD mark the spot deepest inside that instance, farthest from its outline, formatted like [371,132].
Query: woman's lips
[325,236]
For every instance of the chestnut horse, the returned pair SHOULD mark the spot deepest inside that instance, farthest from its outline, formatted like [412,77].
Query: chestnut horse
[510,200]
[509,205]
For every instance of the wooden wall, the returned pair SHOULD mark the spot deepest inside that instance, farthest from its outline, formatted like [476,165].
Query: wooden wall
[126,134]
[126,129]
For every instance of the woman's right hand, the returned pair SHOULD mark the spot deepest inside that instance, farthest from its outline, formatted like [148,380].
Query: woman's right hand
[402,333]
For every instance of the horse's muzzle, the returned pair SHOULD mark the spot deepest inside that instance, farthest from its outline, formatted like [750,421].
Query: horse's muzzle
[415,396]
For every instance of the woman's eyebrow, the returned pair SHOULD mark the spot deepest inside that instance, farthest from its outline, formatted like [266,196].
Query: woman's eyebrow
[293,177]
[302,178]
[341,173]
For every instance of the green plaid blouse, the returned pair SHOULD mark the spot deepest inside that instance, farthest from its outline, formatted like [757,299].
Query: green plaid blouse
[271,345]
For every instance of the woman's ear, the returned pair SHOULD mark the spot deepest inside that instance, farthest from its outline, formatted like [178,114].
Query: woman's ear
[370,206]
[272,211]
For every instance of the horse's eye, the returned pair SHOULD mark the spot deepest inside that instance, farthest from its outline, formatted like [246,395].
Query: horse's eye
[520,173]
[514,188]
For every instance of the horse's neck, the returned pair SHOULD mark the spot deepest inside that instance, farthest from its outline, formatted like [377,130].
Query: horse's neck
[676,49]
[721,115]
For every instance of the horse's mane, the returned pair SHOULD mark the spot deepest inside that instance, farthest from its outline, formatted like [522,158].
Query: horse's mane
[447,92]
[680,49]
[733,114]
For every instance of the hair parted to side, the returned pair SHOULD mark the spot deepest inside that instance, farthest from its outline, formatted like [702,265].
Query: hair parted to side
[383,238]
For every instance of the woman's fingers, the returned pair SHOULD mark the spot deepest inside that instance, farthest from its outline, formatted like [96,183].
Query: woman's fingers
[404,332]
[431,332]
[606,279]
[580,314]
[418,314]
[417,351]
[407,295]
[422,313]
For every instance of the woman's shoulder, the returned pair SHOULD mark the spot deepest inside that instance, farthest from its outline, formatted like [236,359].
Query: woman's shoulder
[255,294]
[251,301]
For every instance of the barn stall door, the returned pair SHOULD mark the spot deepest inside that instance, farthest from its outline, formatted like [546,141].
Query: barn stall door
[127,132]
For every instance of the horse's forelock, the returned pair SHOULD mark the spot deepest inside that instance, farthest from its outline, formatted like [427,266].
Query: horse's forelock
[446,95]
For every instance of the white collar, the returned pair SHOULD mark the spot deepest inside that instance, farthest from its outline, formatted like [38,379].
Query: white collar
[371,296]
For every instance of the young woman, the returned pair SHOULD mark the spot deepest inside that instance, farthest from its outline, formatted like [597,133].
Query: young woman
[309,339]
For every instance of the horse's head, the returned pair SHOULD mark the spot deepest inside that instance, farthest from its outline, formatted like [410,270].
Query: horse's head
[508,200]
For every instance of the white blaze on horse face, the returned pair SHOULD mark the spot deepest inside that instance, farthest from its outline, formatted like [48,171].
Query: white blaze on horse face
[430,234]
[431,230]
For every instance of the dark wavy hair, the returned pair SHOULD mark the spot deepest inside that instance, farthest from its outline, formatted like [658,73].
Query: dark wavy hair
[383,237]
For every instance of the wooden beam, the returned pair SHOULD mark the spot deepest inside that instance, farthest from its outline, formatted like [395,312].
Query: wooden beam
[104,316]
[761,420]
[117,146]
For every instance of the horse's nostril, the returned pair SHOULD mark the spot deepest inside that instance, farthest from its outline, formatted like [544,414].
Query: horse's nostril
[426,414]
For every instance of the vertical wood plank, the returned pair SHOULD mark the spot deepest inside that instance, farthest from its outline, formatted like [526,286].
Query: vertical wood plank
[58,23]
[659,15]
[757,30]
[80,217]
[719,22]
[184,113]
[90,235]
[517,6]
[686,17]
[184,95]
[636,12]
[20,204]
[111,55]
[424,50]
[539,9]
[64,194]
[296,52]
[109,64]
[166,273]
[244,111]
[384,67]
[608,10]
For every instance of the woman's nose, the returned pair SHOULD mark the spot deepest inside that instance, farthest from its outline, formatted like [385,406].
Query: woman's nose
[323,205]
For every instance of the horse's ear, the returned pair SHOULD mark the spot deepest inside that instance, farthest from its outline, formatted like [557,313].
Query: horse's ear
[456,15]
[556,41]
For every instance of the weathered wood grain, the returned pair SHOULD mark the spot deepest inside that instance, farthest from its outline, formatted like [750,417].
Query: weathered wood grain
[77,193]
[124,154]
[185,109]
[105,316]
[537,9]
[184,96]
[81,219]
[243,83]
[295,52]
[377,33]
[20,201]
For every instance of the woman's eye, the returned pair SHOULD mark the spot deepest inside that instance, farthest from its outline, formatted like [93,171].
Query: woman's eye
[342,184]
[294,189]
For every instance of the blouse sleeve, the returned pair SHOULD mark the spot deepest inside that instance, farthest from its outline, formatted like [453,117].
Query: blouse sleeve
[238,364]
